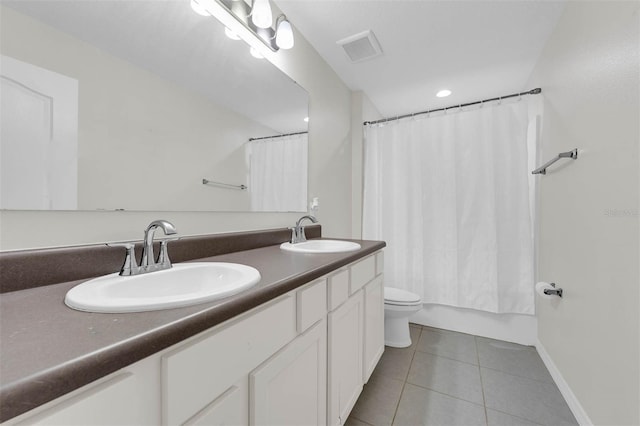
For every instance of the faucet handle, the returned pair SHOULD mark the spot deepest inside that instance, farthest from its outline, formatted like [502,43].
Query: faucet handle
[129,267]
[163,257]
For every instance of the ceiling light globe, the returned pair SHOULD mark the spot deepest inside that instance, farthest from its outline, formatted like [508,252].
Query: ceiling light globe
[261,15]
[284,35]
[443,93]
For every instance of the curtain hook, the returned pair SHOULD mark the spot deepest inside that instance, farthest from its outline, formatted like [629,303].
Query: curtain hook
[482,104]
[500,100]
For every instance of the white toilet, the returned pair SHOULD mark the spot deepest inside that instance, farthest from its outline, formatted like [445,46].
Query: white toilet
[399,305]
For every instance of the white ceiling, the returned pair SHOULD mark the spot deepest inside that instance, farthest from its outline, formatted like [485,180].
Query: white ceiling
[478,49]
[168,39]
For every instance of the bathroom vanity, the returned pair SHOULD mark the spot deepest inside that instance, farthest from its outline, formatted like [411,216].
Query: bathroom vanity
[295,349]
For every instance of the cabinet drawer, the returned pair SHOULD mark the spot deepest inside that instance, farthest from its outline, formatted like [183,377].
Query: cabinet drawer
[379,262]
[361,273]
[194,375]
[96,403]
[338,289]
[311,304]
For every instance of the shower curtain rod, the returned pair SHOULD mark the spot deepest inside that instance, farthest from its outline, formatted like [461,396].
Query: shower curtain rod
[277,136]
[384,120]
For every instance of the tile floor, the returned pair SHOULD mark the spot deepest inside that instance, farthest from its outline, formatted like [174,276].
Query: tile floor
[449,378]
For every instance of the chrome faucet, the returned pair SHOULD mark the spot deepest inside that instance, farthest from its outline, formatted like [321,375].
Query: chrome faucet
[148,262]
[297,232]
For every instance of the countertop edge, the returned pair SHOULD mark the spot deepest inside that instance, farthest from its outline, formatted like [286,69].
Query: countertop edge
[30,392]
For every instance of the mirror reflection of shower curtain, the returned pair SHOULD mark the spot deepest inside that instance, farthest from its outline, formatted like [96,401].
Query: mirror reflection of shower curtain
[450,194]
[278,173]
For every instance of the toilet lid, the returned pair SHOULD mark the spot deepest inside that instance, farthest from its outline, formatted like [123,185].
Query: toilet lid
[395,296]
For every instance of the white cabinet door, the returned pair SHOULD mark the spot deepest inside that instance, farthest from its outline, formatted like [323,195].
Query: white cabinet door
[230,408]
[373,326]
[197,373]
[345,358]
[291,387]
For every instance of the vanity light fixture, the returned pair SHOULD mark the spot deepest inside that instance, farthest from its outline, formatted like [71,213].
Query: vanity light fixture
[231,34]
[261,15]
[284,33]
[254,52]
[443,93]
[199,8]
[249,23]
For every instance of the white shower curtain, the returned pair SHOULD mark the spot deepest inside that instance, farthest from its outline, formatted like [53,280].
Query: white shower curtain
[450,194]
[278,173]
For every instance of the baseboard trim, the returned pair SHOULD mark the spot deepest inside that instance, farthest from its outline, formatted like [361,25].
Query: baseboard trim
[516,328]
[574,405]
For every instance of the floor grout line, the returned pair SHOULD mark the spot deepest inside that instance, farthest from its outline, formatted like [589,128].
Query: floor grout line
[445,394]
[519,376]
[448,357]
[516,416]
[477,344]
[395,412]
[360,420]
[484,400]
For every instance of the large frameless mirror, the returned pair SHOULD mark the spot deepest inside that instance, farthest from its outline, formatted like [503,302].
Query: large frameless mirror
[143,105]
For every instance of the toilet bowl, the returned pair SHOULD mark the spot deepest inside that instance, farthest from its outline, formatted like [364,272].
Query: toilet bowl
[399,305]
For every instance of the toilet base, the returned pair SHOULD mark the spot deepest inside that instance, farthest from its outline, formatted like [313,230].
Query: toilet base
[396,332]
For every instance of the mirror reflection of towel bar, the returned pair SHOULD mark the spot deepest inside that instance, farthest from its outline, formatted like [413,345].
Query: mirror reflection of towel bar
[224,185]
[542,170]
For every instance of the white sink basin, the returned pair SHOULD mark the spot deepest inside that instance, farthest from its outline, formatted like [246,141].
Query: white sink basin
[183,285]
[321,246]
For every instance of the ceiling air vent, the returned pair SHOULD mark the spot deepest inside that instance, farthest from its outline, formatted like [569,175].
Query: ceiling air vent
[361,46]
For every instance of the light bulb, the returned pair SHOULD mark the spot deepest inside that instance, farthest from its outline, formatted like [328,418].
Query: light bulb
[443,93]
[261,14]
[284,35]
[199,9]
[254,52]
[231,34]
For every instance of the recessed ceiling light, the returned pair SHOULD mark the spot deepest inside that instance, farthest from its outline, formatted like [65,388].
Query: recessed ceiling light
[306,119]
[443,93]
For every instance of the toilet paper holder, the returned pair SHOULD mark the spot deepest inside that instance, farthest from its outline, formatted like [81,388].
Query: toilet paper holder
[554,290]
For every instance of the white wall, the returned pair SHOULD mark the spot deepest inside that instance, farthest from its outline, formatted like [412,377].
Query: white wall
[589,233]
[362,109]
[329,177]
[329,134]
[134,128]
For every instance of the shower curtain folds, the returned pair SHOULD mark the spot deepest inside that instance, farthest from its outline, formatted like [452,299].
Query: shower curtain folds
[278,172]
[450,194]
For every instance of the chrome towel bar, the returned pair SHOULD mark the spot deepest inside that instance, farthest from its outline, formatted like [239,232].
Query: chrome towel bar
[224,185]
[542,170]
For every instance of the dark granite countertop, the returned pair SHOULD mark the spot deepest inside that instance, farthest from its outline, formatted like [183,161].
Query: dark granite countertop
[48,349]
